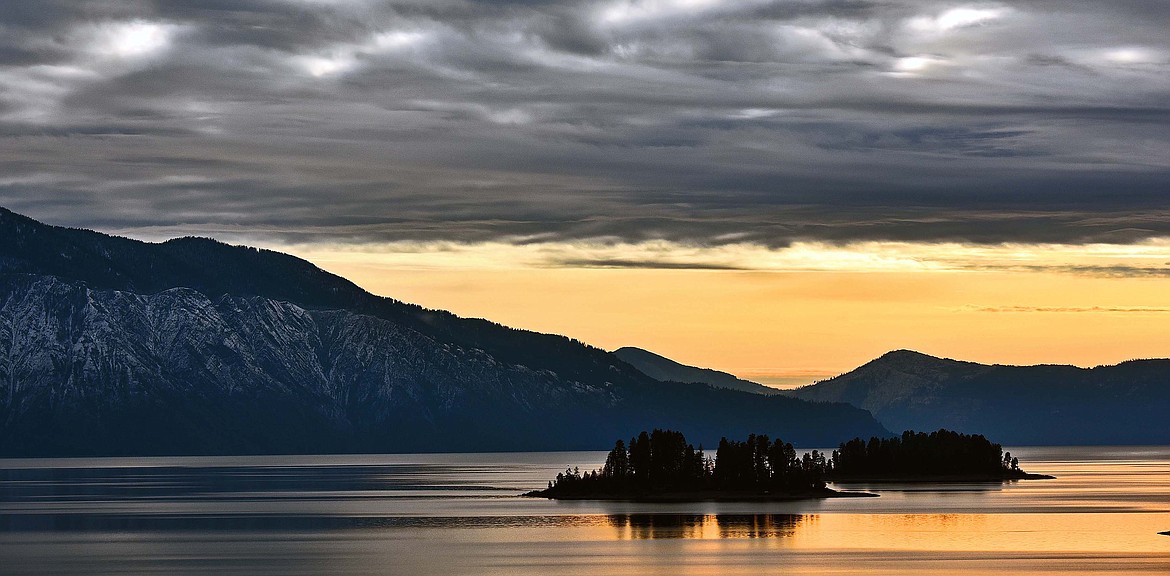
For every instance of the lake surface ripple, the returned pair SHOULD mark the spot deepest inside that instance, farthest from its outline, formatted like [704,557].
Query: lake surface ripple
[455,514]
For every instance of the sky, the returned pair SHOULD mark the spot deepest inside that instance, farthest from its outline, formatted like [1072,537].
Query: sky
[781,189]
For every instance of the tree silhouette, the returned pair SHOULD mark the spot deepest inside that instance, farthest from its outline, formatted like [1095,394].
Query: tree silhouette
[939,453]
[662,462]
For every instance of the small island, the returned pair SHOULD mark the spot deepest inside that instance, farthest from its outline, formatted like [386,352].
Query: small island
[941,456]
[660,466]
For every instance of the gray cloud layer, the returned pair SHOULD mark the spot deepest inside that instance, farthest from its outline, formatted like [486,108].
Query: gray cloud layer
[692,120]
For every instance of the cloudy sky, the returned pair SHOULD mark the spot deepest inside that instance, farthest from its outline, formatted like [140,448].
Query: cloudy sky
[644,155]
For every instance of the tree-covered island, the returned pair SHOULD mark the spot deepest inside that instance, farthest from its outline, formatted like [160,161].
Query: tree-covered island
[661,466]
[942,456]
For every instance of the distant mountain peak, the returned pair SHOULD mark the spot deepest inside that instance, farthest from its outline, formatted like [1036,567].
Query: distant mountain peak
[1041,404]
[904,359]
[196,240]
[666,370]
[905,353]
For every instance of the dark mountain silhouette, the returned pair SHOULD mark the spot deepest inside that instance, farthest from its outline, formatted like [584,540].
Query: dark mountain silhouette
[667,370]
[115,346]
[1048,404]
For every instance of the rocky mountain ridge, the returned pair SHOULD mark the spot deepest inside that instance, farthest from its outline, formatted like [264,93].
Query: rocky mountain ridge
[113,346]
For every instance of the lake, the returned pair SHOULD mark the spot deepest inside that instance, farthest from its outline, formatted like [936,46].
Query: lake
[456,514]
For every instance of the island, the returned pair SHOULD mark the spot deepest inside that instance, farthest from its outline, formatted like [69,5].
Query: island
[940,456]
[661,466]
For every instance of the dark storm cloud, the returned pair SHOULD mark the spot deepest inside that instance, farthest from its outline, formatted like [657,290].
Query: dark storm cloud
[698,121]
[642,264]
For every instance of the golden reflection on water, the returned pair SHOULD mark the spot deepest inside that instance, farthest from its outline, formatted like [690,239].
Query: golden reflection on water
[704,526]
[1030,532]
[429,515]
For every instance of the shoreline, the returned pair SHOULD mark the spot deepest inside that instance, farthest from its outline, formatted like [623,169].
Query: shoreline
[734,496]
[704,496]
[952,478]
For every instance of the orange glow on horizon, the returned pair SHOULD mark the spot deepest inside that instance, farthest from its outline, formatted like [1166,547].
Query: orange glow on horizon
[792,327]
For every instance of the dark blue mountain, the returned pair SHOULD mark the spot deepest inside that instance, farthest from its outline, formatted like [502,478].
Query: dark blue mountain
[114,346]
[667,370]
[1044,405]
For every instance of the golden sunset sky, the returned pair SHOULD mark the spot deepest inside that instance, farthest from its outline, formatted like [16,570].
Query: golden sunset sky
[793,315]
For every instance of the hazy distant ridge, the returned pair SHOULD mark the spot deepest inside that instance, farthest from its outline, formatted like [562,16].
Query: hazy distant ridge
[667,370]
[1048,404]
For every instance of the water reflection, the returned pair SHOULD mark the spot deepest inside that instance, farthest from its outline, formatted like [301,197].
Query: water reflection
[226,482]
[621,526]
[449,515]
[704,526]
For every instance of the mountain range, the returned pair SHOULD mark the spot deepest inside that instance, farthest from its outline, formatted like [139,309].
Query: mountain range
[1021,405]
[112,346]
[1127,403]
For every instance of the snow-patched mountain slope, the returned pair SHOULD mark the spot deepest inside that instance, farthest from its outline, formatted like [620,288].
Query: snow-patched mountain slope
[105,357]
[86,371]
[104,262]
[111,345]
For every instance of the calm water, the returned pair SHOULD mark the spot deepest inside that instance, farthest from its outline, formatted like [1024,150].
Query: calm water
[457,514]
